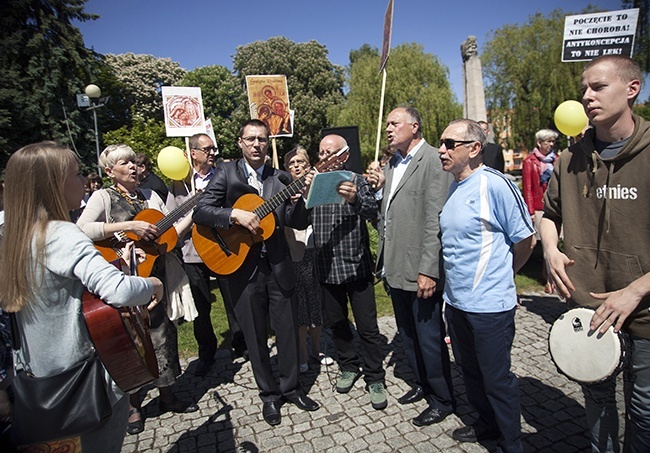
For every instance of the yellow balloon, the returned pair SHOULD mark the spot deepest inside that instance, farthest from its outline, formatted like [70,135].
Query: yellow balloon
[173,163]
[570,118]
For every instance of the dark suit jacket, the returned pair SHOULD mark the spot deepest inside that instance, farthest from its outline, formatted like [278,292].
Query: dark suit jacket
[152,181]
[214,207]
[493,157]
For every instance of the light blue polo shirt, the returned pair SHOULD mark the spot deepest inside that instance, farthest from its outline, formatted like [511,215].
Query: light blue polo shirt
[483,216]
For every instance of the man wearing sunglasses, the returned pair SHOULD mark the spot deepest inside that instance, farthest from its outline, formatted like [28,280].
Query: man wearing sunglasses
[487,235]
[413,191]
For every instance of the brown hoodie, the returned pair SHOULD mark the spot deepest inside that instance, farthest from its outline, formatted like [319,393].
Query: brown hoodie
[604,205]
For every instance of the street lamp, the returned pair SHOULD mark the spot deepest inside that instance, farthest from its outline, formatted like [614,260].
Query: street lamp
[93,92]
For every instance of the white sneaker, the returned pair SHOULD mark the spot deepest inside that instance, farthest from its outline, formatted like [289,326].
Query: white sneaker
[325,359]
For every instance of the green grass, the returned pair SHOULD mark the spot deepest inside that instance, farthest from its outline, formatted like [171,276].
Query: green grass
[527,280]
[187,346]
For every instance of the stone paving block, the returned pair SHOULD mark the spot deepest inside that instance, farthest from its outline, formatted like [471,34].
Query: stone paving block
[337,449]
[342,437]
[357,445]
[230,417]
[398,443]
[322,443]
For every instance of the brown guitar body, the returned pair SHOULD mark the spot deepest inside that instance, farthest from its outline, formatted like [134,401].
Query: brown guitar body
[163,243]
[122,341]
[237,239]
[224,250]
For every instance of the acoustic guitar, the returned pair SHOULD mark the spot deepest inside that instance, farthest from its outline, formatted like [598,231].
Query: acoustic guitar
[224,250]
[122,340]
[166,240]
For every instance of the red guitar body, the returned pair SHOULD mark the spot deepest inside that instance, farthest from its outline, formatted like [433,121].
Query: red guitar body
[122,341]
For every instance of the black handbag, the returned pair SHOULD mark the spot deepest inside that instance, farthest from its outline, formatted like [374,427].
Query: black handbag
[60,406]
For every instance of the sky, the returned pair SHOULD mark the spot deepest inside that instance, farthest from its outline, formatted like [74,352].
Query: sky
[198,33]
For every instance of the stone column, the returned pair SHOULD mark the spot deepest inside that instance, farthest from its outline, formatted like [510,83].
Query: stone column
[473,92]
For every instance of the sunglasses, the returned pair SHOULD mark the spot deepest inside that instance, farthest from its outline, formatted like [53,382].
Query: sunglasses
[209,149]
[450,143]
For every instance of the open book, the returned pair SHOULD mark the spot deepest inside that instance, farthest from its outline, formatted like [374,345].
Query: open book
[323,189]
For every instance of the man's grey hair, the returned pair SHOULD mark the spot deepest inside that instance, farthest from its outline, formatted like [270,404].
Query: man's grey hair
[473,131]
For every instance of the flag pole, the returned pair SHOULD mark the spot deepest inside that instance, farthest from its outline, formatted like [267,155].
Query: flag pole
[381,113]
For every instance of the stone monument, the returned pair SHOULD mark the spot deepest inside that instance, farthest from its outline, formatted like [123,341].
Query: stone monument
[473,92]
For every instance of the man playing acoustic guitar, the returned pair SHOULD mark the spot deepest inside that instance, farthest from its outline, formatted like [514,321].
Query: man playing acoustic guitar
[262,285]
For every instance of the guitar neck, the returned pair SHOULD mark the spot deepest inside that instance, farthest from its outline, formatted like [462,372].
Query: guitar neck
[296,186]
[270,205]
[170,219]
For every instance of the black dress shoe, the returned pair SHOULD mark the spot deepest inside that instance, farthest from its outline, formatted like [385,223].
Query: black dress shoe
[412,396]
[430,416]
[178,406]
[271,413]
[303,402]
[203,367]
[471,434]
[237,353]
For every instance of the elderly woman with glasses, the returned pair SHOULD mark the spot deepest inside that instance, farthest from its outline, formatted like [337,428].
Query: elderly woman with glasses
[307,292]
[110,211]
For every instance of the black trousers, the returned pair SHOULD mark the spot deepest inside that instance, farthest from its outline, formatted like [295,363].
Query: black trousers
[482,343]
[422,329]
[361,294]
[199,277]
[257,299]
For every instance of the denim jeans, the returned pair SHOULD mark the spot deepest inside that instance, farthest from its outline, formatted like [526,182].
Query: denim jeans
[602,414]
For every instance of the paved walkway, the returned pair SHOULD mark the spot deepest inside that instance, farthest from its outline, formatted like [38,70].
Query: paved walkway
[230,418]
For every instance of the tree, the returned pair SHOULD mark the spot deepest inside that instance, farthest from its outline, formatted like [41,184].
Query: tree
[147,137]
[315,84]
[526,79]
[44,65]
[643,110]
[141,78]
[415,79]
[224,102]
[641,52]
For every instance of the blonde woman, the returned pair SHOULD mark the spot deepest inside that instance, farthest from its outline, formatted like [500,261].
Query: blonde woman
[47,262]
[112,210]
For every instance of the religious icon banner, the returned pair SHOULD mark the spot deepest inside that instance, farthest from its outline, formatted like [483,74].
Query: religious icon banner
[183,108]
[268,101]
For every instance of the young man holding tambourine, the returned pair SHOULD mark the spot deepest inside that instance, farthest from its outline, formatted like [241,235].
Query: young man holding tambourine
[599,192]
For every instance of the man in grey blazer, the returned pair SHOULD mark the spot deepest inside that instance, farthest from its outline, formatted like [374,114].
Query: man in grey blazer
[414,188]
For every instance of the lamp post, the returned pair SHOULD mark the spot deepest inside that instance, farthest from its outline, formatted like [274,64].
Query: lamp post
[93,92]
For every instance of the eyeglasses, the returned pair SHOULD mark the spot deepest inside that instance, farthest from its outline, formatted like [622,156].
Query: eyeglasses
[450,143]
[297,163]
[250,140]
[209,149]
